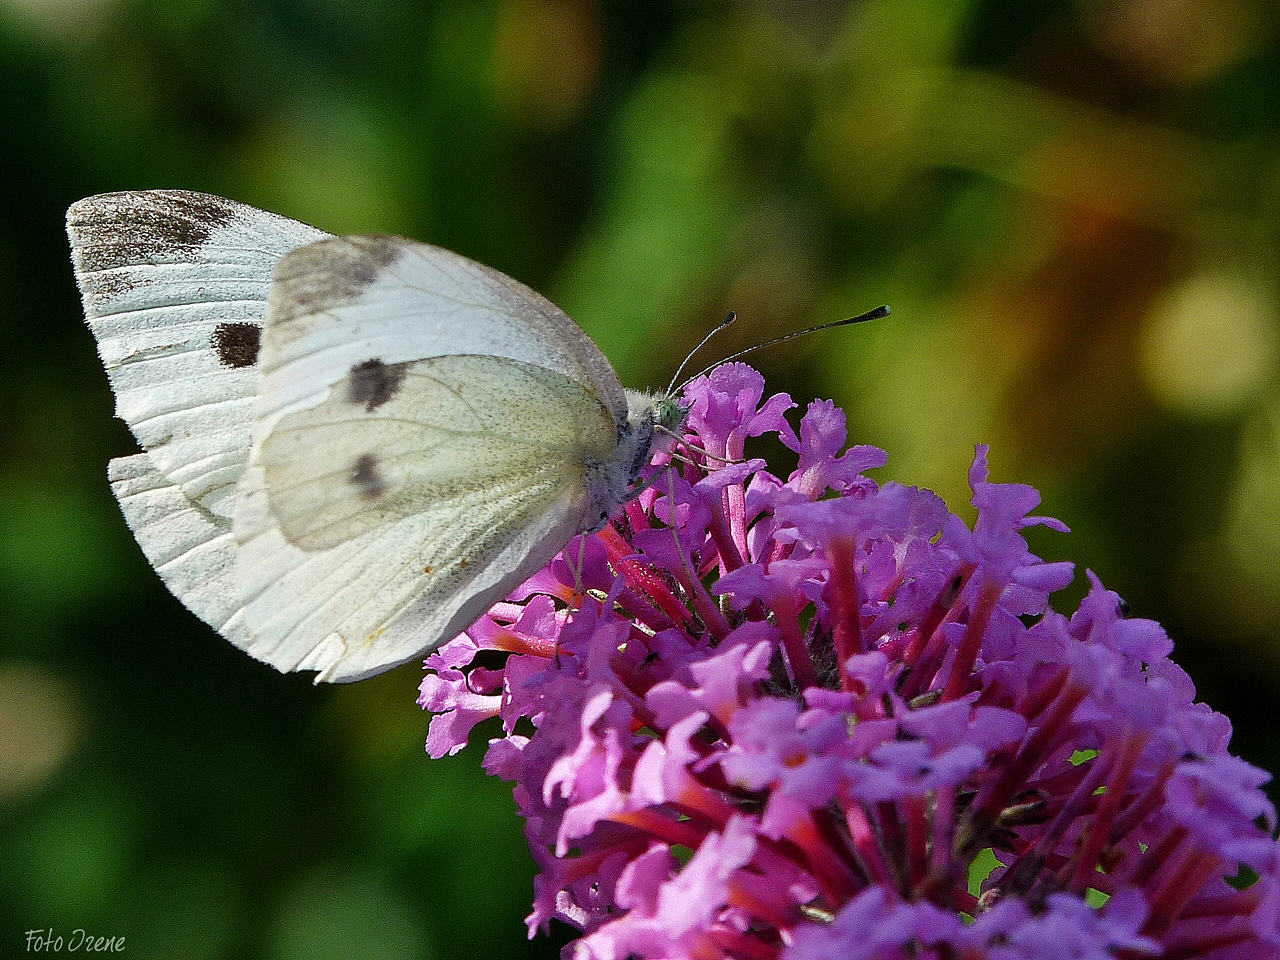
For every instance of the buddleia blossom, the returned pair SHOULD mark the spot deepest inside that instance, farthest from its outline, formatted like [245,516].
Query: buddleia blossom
[786,718]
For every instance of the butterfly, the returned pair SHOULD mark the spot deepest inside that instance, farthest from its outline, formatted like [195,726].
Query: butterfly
[351,446]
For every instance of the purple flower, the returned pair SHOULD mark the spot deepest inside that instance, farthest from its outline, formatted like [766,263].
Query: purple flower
[785,717]
[673,911]
[824,463]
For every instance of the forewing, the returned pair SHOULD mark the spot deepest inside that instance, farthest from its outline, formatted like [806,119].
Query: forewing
[382,522]
[351,300]
[192,550]
[174,285]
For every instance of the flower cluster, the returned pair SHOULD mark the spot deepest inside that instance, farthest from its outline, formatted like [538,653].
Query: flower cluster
[791,719]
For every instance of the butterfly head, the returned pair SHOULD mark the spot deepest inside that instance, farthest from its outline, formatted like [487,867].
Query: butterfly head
[657,423]
[669,415]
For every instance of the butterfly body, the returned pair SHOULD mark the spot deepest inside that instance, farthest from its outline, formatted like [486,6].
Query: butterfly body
[353,446]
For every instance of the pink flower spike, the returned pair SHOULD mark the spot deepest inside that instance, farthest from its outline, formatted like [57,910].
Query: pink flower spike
[785,718]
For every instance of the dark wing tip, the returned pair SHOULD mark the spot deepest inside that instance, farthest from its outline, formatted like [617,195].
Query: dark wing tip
[126,228]
[328,274]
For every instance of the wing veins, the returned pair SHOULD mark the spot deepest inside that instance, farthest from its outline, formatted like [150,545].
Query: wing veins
[135,424]
[170,306]
[153,353]
[523,441]
[502,482]
[134,266]
[337,473]
[273,255]
[188,552]
[335,596]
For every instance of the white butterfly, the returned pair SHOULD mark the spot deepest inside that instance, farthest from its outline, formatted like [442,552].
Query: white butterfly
[353,445]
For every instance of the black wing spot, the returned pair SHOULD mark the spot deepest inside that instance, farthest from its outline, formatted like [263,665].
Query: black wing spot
[364,474]
[373,383]
[237,343]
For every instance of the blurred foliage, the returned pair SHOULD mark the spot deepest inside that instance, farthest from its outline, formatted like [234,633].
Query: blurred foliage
[1072,206]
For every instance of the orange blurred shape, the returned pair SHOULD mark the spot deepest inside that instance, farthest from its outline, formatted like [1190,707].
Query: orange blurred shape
[1076,314]
[1178,42]
[546,59]
[39,726]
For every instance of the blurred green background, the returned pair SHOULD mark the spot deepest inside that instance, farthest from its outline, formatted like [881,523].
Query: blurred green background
[1072,206]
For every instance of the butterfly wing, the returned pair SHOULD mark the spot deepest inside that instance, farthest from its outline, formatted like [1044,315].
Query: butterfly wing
[352,300]
[379,523]
[422,427]
[218,322]
[192,549]
[175,288]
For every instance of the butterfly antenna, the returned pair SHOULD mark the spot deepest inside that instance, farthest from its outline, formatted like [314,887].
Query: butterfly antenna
[702,343]
[876,314]
[683,441]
